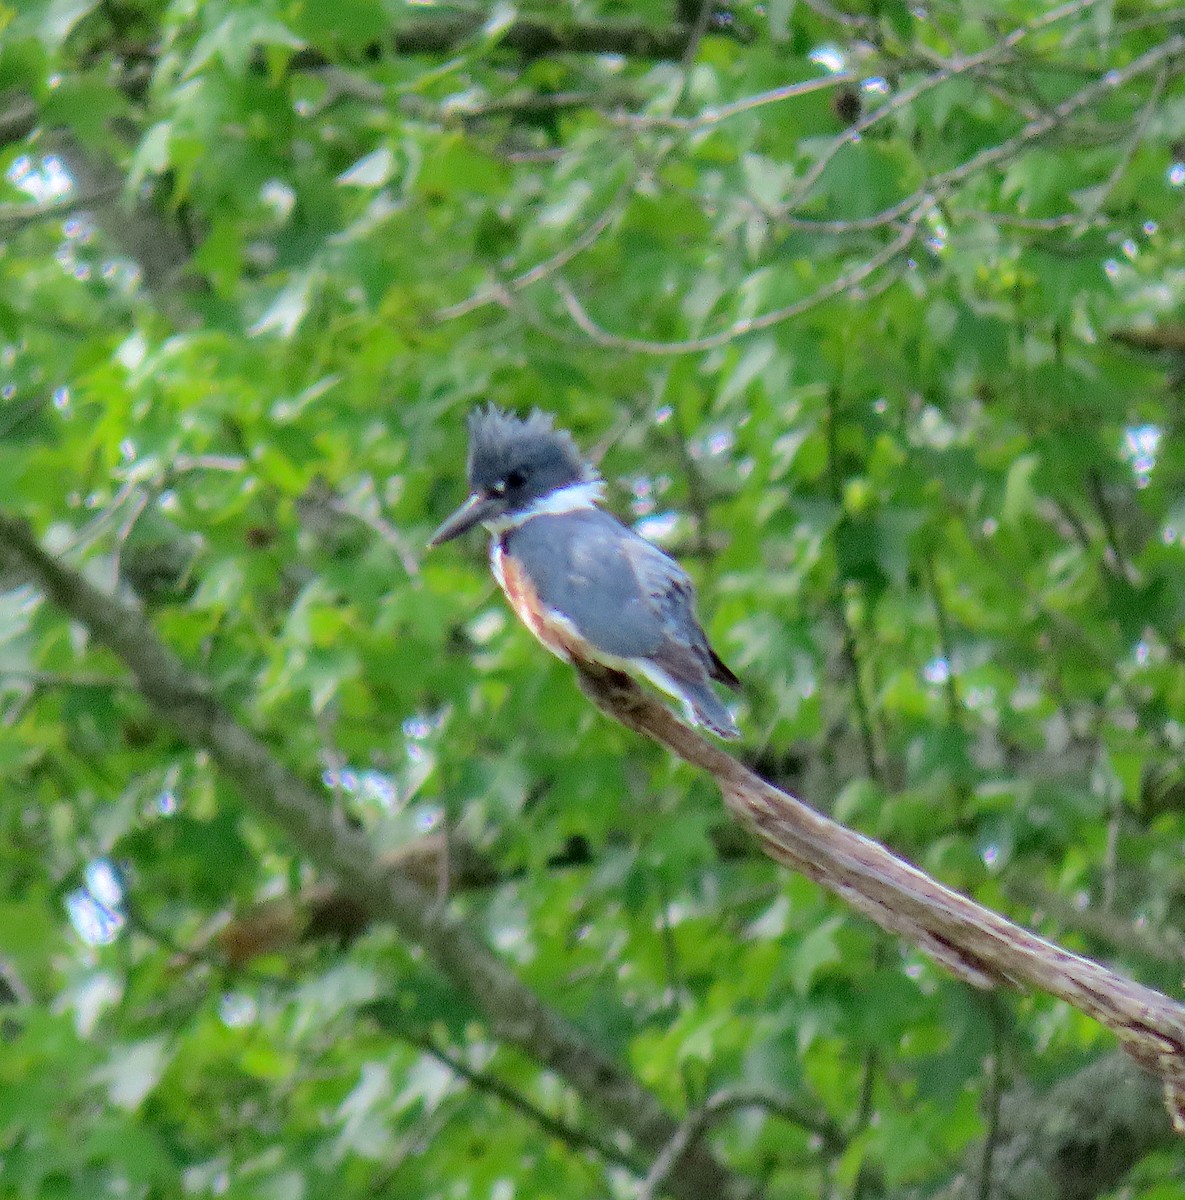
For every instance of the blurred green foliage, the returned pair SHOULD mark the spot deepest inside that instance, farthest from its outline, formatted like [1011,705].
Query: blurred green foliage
[258,262]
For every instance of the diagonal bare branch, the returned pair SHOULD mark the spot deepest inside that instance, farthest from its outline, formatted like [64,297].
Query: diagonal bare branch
[979,945]
[993,56]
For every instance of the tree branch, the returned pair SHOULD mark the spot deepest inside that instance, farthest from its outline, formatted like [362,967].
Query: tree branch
[16,219]
[515,1014]
[975,943]
[502,291]
[993,56]
[533,39]
[18,116]
[1167,338]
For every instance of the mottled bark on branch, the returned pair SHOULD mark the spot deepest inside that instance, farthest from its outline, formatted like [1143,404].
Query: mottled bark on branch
[975,943]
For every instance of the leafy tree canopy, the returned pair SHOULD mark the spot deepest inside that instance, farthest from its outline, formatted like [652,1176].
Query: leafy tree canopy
[871,314]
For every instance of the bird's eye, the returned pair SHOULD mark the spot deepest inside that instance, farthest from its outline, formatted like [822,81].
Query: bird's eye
[516,479]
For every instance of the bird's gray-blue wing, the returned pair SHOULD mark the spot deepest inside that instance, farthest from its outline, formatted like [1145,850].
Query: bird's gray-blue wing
[672,598]
[596,572]
[672,594]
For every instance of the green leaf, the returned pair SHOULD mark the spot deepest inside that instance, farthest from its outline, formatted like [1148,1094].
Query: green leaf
[60,18]
[372,170]
[1020,500]
[816,951]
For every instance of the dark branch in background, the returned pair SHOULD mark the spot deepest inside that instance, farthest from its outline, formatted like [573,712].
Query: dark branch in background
[515,1014]
[993,1104]
[329,911]
[17,220]
[135,226]
[945,642]
[940,185]
[846,282]
[13,989]
[978,945]
[533,39]
[18,116]
[1163,338]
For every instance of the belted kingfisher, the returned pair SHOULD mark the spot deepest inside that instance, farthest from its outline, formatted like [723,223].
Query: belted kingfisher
[587,586]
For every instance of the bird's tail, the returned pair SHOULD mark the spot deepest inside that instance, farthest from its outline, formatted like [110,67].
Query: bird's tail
[708,709]
[701,705]
[721,672]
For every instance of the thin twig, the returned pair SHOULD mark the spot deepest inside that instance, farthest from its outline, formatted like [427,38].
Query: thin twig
[499,293]
[106,514]
[1114,556]
[1034,224]
[995,1095]
[1111,854]
[205,462]
[945,645]
[829,12]
[724,112]
[52,679]
[1099,198]
[851,653]
[695,35]
[744,325]
[697,498]
[993,55]
[17,220]
[412,1146]
[1067,629]
[939,185]
[483,1081]
[1120,29]
[140,501]
[383,529]
[851,656]
[721,1105]
[670,950]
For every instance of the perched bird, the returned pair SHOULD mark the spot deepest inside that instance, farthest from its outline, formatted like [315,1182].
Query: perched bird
[589,588]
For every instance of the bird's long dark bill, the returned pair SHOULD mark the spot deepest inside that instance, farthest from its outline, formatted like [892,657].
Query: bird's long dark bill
[476,509]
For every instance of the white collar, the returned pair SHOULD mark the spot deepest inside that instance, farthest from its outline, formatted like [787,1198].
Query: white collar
[573,498]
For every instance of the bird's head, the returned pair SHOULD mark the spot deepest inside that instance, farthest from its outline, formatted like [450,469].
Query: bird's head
[515,465]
